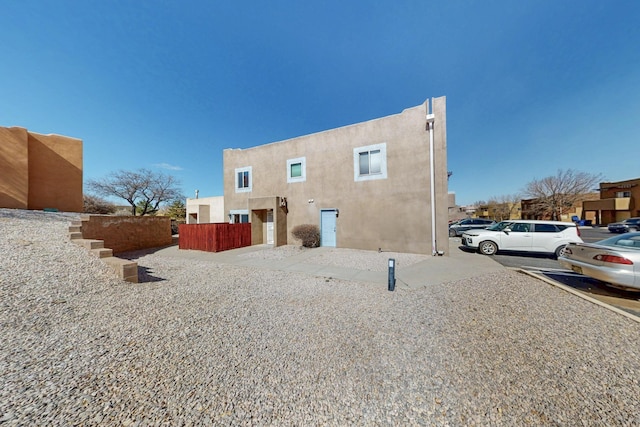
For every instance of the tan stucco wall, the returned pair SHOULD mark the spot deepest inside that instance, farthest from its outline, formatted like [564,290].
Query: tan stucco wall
[393,213]
[208,210]
[14,168]
[43,171]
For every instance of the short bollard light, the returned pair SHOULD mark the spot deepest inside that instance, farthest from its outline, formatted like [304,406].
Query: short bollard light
[392,274]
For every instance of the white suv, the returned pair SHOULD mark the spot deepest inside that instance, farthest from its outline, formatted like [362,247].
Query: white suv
[523,235]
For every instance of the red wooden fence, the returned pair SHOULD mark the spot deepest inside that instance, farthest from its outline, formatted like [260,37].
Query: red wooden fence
[214,237]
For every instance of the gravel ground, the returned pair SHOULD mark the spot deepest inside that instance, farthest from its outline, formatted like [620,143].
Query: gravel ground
[202,343]
[347,258]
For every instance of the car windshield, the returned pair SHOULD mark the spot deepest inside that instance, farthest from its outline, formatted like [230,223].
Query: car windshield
[628,240]
[499,226]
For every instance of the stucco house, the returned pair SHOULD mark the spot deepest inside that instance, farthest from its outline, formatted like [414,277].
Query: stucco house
[375,185]
[618,201]
[205,210]
[40,171]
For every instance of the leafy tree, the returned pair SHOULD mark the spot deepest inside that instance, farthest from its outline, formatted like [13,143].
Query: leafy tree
[97,205]
[557,194]
[143,189]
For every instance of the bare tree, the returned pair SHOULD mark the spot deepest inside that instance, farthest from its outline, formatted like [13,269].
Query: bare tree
[143,189]
[557,194]
[503,207]
[97,205]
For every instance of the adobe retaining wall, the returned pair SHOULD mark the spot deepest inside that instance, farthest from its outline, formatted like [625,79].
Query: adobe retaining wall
[128,233]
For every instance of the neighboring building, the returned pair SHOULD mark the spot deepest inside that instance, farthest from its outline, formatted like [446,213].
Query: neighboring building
[454,212]
[500,211]
[40,171]
[529,210]
[618,201]
[367,186]
[206,210]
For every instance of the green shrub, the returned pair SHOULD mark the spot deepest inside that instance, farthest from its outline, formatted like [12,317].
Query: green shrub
[309,234]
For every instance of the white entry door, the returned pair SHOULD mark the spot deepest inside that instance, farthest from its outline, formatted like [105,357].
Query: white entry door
[328,227]
[270,227]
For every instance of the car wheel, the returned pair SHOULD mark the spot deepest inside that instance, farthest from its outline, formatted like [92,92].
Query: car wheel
[487,248]
[559,251]
[452,233]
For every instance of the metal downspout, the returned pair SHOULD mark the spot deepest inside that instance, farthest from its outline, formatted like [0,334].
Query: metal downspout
[434,248]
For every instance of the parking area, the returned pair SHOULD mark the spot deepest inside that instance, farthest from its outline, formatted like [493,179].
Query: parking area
[549,268]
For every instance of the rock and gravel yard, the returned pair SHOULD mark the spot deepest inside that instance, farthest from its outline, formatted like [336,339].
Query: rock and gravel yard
[210,344]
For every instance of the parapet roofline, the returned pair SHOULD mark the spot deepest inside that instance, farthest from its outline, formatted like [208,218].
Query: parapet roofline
[332,129]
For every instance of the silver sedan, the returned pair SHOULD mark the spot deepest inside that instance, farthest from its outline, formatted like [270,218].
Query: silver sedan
[615,260]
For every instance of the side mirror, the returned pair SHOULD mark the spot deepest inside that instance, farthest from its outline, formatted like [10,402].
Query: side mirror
[506,230]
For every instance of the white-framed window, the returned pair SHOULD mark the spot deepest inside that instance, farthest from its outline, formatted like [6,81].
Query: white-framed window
[370,162]
[244,180]
[297,169]
[238,216]
[623,194]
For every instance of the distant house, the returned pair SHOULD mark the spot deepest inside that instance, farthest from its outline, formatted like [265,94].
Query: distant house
[40,171]
[530,210]
[500,211]
[618,201]
[380,184]
[205,210]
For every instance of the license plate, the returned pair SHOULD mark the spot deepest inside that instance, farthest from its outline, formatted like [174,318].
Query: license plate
[576,269]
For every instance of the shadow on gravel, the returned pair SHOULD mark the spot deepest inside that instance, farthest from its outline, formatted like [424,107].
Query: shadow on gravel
[144,273]
[134,255]
[145,276]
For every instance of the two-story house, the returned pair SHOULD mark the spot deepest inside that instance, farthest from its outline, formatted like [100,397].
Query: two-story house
[375,185]
[618,201]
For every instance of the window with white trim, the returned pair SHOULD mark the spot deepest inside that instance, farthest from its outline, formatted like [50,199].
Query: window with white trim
[243,179]
[370,162]
[297,170]
[238,216]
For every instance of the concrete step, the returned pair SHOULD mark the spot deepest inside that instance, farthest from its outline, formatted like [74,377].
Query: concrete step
[75,229]
[102,252]
[74,236]
[125,269]
[76,223]
[89,243]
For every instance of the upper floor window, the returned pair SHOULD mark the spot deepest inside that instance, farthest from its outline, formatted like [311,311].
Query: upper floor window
[297,169]
[243,179]
[623,194]
[370,162]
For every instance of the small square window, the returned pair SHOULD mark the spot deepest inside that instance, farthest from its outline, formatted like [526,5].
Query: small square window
[297,170]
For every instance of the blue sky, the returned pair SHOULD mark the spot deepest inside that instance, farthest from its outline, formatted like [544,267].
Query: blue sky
[532,86]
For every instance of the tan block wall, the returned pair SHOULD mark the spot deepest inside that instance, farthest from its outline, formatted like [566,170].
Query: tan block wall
[393,214]
[40,171]
[128,233]
[14,168]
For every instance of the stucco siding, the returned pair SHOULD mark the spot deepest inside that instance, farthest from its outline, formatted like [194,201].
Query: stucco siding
[55,172]
[393,213]
[14,164]
[40,171]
